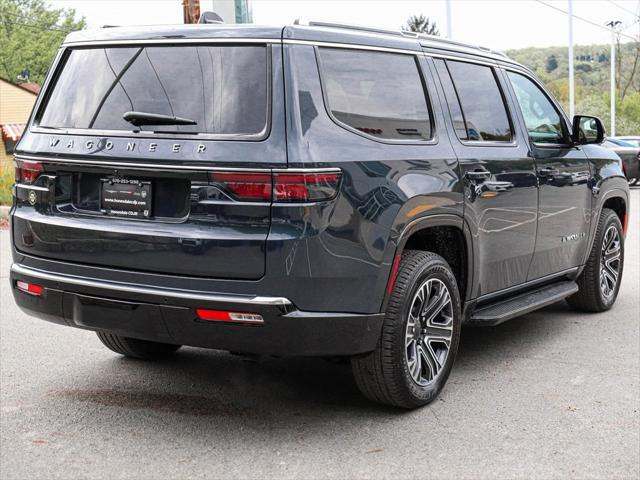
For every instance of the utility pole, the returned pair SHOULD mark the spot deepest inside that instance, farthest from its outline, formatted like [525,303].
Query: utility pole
[571,56]
[191,11]
[613,24]
[449,27]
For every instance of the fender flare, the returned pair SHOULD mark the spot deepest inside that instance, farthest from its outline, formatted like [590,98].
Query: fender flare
[430,221]
[597,211]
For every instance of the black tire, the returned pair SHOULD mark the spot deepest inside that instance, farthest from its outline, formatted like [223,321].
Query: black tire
[590,297]
[383,375]
[135,348]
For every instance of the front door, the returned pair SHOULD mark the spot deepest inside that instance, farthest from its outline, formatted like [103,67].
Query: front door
[563,175]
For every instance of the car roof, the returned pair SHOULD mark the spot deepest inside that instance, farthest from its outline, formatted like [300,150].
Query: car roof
[311,32]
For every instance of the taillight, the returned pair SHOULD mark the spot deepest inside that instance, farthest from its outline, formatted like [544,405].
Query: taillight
[27,171]
[30,288]
[282,186]
[224,316]
[245,186]
[305,186]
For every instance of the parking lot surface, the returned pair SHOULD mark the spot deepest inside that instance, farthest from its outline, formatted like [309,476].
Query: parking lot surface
[552,394]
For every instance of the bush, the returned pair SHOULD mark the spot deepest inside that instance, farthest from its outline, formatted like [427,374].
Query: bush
[7,178]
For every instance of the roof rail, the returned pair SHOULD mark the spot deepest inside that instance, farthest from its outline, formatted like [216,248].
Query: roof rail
[347,26]
[398,33]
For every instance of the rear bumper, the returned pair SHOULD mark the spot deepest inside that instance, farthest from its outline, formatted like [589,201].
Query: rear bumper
[168,315]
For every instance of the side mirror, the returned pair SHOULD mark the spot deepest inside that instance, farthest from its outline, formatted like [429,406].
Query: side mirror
[587,129]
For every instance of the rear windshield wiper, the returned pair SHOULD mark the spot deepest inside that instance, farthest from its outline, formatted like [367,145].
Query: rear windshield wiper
[145,118]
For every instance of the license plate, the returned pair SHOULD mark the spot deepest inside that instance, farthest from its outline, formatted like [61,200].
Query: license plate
[126,197]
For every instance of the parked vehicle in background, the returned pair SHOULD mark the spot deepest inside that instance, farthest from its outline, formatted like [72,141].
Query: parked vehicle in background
[629,154]
[308,190]
[633,141]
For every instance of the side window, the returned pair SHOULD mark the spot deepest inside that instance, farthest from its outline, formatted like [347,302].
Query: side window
[483,108]
[544,123]
[380,94]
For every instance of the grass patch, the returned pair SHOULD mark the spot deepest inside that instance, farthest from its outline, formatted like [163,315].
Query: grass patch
[7,178]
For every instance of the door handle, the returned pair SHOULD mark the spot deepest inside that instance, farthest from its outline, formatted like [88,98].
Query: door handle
[477,175]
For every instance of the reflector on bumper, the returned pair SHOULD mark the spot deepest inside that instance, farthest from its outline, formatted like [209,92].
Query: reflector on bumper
[222,316]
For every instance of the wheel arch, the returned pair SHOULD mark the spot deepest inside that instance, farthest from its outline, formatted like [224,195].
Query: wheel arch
[616,199]
[444,234]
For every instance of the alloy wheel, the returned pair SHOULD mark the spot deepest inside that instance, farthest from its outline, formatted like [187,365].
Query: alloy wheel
[429,331]
[610,262]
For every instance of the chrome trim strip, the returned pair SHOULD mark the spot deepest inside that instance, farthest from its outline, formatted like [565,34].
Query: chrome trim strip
[202,168]
[464,56]
[153,41]
[353,46]
[134,165]
[22,186]
[484,61]
[120,287]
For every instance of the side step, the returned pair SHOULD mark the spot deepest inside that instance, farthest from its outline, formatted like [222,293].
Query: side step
[501,311]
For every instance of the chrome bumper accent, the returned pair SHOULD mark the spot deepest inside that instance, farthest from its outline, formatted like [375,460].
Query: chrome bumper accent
[163,292]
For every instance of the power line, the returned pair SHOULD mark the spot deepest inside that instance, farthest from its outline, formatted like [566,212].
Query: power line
[586,20]
[30,25]
[635,14]
[32,22]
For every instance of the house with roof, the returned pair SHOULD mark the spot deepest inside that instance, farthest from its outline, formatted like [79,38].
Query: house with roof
[16,103]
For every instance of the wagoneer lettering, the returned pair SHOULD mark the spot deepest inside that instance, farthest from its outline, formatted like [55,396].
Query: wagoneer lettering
[338,193]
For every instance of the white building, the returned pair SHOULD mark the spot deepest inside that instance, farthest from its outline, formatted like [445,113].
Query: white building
[232,11]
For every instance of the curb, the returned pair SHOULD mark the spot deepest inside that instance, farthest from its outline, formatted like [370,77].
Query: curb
[4,212]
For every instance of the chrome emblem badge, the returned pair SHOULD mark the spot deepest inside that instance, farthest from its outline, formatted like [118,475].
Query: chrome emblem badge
[32,197]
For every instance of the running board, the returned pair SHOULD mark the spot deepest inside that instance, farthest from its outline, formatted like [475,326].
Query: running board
[501,311]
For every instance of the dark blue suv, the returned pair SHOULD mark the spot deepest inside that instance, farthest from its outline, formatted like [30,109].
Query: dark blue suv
[307,190]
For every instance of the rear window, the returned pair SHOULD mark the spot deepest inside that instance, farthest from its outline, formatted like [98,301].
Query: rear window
[380,94]
[223,89]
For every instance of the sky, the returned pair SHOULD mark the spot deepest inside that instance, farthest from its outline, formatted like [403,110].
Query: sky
[497,24]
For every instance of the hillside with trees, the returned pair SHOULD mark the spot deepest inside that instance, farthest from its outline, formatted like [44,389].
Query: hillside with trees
[592,77]
[30,33]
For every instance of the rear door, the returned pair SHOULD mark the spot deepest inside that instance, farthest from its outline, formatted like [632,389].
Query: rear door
[187,193]
[501,195]
[564,176]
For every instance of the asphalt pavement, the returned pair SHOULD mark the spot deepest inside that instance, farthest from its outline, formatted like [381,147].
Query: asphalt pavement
[552,394]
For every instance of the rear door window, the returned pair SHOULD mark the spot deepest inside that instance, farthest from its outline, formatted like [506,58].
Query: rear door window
[377,93]
[223,89]
[483,106]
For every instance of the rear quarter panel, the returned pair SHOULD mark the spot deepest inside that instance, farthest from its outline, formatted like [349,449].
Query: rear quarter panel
[340,254]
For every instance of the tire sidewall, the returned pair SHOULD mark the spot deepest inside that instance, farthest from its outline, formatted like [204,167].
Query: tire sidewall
[435,268]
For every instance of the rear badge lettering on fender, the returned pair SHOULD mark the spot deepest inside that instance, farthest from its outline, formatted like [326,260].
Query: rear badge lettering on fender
[575,236]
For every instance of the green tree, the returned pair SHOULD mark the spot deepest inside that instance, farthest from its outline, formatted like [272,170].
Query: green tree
[421,24]
[30,33]
[552,63]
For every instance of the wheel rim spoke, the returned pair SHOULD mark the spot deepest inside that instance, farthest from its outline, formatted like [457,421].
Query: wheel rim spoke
[429,331]
[610,261]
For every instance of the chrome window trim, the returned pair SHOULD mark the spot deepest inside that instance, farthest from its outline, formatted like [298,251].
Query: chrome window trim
[34,122]
[433,140]
[144,290]
[169,41]
[352,46]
